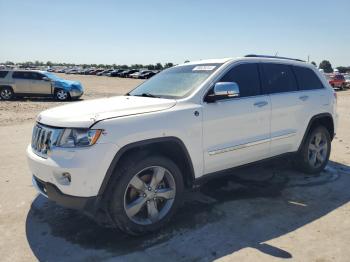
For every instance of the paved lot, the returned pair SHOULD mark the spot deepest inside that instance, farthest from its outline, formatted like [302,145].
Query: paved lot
[262,213]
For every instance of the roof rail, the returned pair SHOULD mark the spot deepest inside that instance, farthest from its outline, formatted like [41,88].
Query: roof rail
[278,57]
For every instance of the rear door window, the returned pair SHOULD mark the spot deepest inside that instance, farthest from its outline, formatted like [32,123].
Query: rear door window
[22,75]
[247,78]
[3,74]
[307,79]
[277,78]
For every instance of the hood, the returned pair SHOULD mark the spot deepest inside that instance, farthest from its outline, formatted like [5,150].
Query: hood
[66,83]
[85,113]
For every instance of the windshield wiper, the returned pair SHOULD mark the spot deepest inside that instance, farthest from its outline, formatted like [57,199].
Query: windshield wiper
[147,95]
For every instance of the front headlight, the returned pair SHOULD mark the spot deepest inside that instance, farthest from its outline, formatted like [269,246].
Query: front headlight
[78,137]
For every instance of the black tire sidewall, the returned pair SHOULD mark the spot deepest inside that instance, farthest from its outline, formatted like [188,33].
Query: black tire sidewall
[125,173]
[303,157]
[6,88]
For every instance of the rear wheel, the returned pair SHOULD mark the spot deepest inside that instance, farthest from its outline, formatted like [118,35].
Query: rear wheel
[146,194]
[6,93]
[61,95]
[314,154]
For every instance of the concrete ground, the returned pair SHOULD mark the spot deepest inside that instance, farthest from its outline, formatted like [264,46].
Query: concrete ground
[267,212]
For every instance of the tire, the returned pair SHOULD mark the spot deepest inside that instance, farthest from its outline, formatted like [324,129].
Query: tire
[145,209]
[314,155]
[61,95]
[6,93]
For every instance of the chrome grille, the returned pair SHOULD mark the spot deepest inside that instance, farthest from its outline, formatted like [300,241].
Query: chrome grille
[43,139]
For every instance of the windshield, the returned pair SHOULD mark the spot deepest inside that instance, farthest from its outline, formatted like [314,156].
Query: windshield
[176,82]
[51,76]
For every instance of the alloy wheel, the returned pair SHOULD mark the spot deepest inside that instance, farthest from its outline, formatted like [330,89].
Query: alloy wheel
[61,95]
[317,151]
[149,195]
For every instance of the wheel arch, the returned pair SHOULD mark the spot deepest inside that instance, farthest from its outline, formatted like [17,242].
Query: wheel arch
[324,119]
[9,86]
[171,147]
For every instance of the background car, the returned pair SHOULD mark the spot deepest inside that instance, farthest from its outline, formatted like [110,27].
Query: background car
[127,73]
[147,74]
[96,71]
[337,81]
[347,81]
[104,72]
[27,83]
[115,73]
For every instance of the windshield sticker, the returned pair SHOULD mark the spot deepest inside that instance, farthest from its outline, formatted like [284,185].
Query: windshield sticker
[203,68]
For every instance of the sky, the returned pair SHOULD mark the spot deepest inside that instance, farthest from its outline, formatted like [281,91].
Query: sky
[129,32]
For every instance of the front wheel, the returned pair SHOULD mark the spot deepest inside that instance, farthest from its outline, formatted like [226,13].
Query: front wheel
[61,95]
[146,194]
[314,154]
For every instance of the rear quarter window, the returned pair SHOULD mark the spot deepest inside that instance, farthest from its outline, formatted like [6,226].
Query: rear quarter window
[3,74]
[307,79]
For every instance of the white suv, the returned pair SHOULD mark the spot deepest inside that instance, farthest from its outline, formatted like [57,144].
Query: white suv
[128,159]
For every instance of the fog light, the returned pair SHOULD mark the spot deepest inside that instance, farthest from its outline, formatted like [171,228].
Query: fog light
[65,179]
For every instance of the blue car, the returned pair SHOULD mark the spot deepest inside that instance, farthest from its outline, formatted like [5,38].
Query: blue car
[27,83]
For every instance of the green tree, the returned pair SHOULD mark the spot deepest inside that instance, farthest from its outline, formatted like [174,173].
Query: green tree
[168,65]
[150,67]
[158,66]
[187,61]
[326,66]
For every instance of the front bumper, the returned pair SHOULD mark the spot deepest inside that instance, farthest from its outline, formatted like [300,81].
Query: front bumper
[86,167]
[51,192]
[75,93]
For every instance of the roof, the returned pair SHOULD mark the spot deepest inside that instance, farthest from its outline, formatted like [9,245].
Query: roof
[209,61]
[249,57]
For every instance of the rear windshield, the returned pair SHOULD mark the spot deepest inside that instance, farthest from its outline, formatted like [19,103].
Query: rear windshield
[3,74]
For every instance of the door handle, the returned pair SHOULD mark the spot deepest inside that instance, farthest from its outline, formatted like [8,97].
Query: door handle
[304,98]
[260,103]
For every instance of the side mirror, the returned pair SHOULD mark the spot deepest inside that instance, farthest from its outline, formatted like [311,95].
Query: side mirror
[223,90]
[45,78]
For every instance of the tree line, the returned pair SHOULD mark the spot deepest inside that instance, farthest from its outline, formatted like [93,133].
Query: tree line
[325,65]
